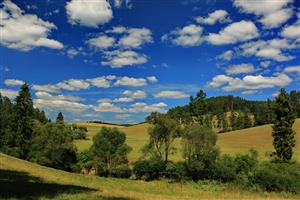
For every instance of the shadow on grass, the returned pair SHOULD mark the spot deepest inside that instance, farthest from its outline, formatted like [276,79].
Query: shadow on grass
[15,184]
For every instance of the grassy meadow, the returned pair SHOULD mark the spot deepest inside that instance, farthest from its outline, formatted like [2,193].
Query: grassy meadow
[259,138]
[20,179]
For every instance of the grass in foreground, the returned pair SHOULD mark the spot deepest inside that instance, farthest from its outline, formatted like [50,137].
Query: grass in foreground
[22,179]
[258,138]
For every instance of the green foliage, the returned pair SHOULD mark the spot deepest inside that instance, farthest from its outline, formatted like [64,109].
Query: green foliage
[162,136]
[175,171]
[148,169]
[283,132]
[85,160]
[60,118]
[109,150]
[52,146]
[121,171]
[78,132]
[277,177]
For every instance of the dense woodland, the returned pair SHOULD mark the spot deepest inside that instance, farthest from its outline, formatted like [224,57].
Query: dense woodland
[227,113]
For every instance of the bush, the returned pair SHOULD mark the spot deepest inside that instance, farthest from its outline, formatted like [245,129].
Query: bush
[121,171]
[196,170]
[148,169]
[175,171]
[277,177]
[245,163]
[224,169]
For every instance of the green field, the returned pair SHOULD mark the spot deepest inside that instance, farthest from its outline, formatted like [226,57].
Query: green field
[259,138]
[20,179]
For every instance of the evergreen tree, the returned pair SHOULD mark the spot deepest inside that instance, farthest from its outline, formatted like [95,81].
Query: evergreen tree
[24,112]
[60,118]
[283,133]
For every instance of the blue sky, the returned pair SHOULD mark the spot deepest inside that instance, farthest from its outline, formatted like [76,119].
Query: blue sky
[118,60]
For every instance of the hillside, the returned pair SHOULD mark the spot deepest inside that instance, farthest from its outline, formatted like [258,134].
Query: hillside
[259,138]
[24,180]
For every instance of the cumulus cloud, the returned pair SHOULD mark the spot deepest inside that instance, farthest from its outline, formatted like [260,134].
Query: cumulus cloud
[214,17]
[233,33]
[138,94]
[135,38]
[291,32]
[190,35]
[152,79]
[171,94]
[292,69]
[48,96]
[46,88]
[240,69]
[102,42]
[24,31]
[102,82]
[9,93]
[129,81]
[272,13]
[249,92]
[13,82]
[73,85]
[119,58]
[89,13]
[270,49]
[123,99]
[107,107]
[228,83]
[143,107]
[227,55]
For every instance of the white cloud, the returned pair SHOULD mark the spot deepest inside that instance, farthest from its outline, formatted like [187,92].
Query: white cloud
[135,38]
[265,64]
[123,116]
[292,69]
[107,107]
[227,55]
[89,13]
[272,13]
[171,94]
[123,99]
[249,92]
[214,17]
[129,81]
[143,107]
[102,42]
[292,32]
[13,82]
[48,96]
[9,93]
[102,82]
[73,85]
[138,94]
[24,31]
[190,35]
[270,49]
[72,53]
[228,83]
[240,69]
[119,59]
[46,88]
[152,79]
[233,33]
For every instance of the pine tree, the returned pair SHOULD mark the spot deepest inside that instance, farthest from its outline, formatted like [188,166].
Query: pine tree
[283,133]
[24,112]
[60,118]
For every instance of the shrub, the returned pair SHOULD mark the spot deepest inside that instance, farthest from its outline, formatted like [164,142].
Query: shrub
[175,171]
[196,170]
[245,163]
[224,169]
[148,169]
[277,177]
[121,171]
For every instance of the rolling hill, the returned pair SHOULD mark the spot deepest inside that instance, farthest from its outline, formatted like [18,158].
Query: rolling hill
[20,179]
[259,138]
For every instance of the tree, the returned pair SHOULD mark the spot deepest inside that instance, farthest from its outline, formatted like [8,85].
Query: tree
[162,136]
[53,146]
[24,113]
[199,150]
[109,150]
[295,102]
[60,118]
[283,134]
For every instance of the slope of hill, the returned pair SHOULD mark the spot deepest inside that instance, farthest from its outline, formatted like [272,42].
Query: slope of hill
[20,179]
[259,138]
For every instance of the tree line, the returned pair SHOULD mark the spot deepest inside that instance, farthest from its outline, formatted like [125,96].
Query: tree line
[227,113]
